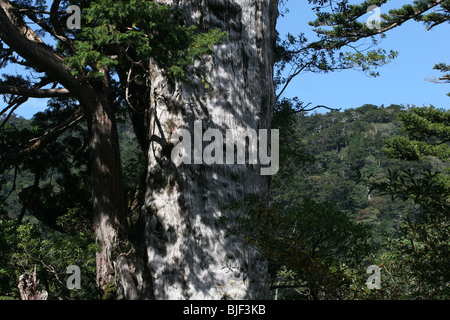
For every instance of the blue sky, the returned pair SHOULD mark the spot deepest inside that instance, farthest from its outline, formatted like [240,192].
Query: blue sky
[400,82]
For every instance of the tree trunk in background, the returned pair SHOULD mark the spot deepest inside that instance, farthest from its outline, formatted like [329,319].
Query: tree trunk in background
[97,104]
[182,249]
[107,188]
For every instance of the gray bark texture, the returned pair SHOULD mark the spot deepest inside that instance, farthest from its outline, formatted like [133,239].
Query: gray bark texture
[28,287]
[184,250]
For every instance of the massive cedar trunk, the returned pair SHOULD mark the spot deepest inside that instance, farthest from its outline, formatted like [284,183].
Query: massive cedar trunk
[183,250]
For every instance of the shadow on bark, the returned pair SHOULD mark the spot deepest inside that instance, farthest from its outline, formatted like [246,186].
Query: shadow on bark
[182,250]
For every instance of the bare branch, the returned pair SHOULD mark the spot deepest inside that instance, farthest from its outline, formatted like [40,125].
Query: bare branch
[9,157]
[13,106]
[35,93]
[304,109]
[349,38]
[76,117]
[13,188]
[290,78]
[435,24]
[59,30]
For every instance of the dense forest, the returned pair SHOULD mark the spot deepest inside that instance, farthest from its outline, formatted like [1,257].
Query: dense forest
[339,147]
[54,229]
[347,163]
[330,183]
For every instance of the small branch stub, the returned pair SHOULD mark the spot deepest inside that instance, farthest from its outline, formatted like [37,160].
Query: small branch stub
[28,288]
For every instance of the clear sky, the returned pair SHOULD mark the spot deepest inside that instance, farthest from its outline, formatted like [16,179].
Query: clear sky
[400,82]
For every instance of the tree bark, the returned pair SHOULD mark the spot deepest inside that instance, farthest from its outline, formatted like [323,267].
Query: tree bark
[28,287]
[183,250]
[107,188]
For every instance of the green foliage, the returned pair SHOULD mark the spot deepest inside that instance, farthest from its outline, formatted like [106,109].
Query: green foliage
[65,188]
[142,29]
[31,245]
[291,151]
[342,144]
[109,291]
[312,245]
[341,38]
[427,133]
[370,60]
[442,67]
[404,202]
[423,244]
[445,68]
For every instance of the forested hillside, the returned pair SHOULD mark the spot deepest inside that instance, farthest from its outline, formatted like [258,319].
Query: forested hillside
[340,147]
[343,200]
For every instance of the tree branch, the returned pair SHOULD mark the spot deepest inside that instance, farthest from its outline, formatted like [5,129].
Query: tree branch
[304,109]
[344,39]
[23,40]
[59,30]
[290,78]
[35,93]
[9,158]
[13,188]
[13,106]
